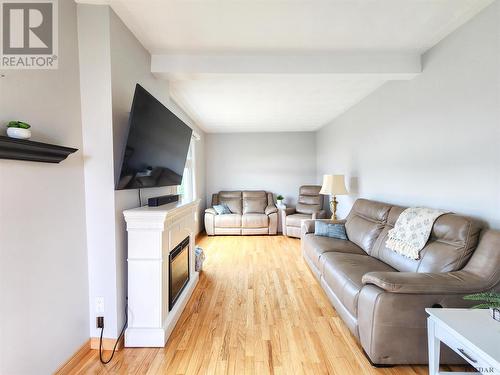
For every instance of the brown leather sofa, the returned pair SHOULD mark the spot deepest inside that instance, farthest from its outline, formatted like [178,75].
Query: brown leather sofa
[252,212]
[381,295]
[309,206]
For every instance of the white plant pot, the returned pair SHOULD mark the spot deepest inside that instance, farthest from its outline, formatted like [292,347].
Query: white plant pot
[19,133]
[280,202]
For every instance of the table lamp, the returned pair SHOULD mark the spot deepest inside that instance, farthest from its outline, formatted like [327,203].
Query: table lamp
[333,185]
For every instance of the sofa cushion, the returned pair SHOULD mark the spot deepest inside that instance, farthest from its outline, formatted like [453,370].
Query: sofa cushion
[295,220]
[260,194]
[228,221]
[254,205]
[309,199]
[333,230]
[254,221]
[234,204]
[309,190]
[343,273]
[365,222]
[229,194]
[307,208]
[222,209]
[452,241]
[315,246]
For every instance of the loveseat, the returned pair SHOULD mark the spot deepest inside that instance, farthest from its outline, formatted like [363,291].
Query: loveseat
[381,295]
[251,212]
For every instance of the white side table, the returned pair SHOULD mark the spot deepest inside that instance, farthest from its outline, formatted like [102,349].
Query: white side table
[280,217]
[472,334]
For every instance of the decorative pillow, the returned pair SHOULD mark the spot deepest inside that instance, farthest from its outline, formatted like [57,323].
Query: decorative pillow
[234,204]
[222,209]
[254,205]
[333,230]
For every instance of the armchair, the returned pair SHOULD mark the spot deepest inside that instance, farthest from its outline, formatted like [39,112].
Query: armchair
[309,206]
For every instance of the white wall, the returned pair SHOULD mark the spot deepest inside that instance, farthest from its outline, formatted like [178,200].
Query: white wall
[432,141]
[112,62]
[276,162]
[43,257]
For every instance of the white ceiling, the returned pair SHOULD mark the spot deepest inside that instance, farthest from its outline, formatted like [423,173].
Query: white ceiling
[283,102]
[261,102]
[229,25]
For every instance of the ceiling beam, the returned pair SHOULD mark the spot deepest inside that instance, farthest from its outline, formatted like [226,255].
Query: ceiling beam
[394,65]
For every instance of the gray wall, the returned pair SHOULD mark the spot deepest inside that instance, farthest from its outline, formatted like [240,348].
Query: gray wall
[112,61]
[95,85]
[131,64]
[43,257]
[432,141]
[276,162]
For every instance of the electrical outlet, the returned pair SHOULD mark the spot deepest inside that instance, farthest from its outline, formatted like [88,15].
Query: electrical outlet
[99,305]
[99,322]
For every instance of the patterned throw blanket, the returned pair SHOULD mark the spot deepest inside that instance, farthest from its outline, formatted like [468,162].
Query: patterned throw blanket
[412,230]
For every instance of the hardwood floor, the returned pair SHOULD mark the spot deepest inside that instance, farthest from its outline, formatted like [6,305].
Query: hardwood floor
[256,310]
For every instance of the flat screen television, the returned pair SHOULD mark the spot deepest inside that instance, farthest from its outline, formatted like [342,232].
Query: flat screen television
[157,145]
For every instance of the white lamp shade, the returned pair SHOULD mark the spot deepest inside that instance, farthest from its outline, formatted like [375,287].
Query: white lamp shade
[333,184]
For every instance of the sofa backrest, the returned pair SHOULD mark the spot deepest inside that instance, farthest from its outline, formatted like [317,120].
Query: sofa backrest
[485,262]
[365,222]
[452,241]
[244,202]
[254,202]
[310,200]
[232,199]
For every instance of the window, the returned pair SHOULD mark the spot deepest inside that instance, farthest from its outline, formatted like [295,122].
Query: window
[188,186]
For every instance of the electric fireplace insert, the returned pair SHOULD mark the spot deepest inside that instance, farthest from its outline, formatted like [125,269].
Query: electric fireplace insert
[178,271]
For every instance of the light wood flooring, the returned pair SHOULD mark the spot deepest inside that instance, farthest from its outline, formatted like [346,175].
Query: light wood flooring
[256,310]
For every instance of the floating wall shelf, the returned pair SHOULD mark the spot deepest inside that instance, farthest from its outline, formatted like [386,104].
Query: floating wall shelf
[21,149]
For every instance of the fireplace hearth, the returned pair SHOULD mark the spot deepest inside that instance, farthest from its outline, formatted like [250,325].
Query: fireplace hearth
[161,273]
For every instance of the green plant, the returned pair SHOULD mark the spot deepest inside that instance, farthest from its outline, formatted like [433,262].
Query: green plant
[489,299]
[280,197]
[18,124]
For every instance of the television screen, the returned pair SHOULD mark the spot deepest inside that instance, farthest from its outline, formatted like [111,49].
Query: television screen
[157,145]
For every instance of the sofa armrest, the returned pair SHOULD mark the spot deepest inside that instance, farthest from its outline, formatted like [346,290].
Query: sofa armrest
[288,211]
[308,226]
[383,316]
[283,213]
[458,282]
[210,215]
[319,214]
[210,210]
[270,209]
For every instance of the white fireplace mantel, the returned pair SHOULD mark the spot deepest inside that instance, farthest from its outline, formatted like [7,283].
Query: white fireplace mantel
[153,232]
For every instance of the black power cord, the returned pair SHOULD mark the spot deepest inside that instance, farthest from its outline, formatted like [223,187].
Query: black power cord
[117,340]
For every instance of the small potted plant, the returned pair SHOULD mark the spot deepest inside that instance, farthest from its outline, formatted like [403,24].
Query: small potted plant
[490,300]
[280,199]
[19,130]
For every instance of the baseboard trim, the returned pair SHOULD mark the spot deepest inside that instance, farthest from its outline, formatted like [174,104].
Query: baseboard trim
[74,360]
[199,235]
[107,344]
